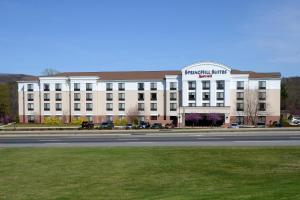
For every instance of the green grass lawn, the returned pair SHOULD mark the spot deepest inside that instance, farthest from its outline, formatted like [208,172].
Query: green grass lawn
[150,173]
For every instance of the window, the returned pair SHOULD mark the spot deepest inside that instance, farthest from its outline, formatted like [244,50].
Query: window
[57,86]
[262,85]
[205,96]
[173,96]
[153,118]
[192,85]
[262,95]
[173,86]
[121,96]
[192,105]
[220,95]
[109,118]
[89,118]
[31,119]
[192,96]
[262,119]
[109,106]
[205,104]
[58,106]
[46,97]
[153,106]
[140,86]
[76,96]
[121,106]
[220,104]
[29,87]
[76,86]
[121,86]
[141,118]
[88,86]
[58,96]
[220,85]
[30,107]
[153,96]
[109,96]
[89,96]
[240,95]
[141,96]
[77,106]
[46,106]
[30,97]
[240,106]
[153,86]
[173,106]
[262,106]
[240,85]
[141,106]
[109,86]
[205,85]
[240,120]
[46,87]
[121,117]
[89,106]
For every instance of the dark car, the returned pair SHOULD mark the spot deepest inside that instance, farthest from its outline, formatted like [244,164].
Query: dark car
[144,125]
[106,125]
[156,126]
[128,126]
[87,125]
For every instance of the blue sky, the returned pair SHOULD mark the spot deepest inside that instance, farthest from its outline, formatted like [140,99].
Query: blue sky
[111,35]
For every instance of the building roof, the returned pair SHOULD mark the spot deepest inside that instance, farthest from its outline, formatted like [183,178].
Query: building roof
[257,74]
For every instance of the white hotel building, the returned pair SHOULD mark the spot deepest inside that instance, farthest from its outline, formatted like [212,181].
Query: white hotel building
[153,96]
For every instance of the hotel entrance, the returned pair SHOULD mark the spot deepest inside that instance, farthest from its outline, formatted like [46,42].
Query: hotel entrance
[204,119]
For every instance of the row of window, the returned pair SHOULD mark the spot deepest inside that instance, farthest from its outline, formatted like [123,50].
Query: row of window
[241,106]
[262,85]
[206,96]
[206,85]
[261,96]
[241,119]
[206,104]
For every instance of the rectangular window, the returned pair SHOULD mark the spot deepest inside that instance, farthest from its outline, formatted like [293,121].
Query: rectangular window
[192,105]
[89,96]
[46,106]
[220,96]
[205,104]
[262,85]
[240,96]
[57,86]
[121,96]
[205,85]
[89,118]
[121,86]
[109,96]
[141,96]
[109,86]
[220,104]
[261,119]
[46,97]
[77,106]
[89,106]
[240,106]
[205,96]
[31,119]
[173,106]
[153,86]
[153,117]
[76,96]
[192,85]
[30,107]
[58,107]
[240,120]
[141,106]
[220,85]
[262,96]
[240,85]
[173,86]
[29,87]
[58,96]
[46,87]
[262,106]
[141,118]
[192,96]
[153,106]
[121,106]
[88,86]
[140,86]
[30,97]
[173,96]
[109,106]
[109,118]
[153,96]
[76,86]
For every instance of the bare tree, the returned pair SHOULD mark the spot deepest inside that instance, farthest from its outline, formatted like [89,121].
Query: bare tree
[49,72]
[132,115]
[252,105]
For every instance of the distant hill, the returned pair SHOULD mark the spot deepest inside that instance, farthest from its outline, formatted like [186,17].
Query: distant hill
[9,78]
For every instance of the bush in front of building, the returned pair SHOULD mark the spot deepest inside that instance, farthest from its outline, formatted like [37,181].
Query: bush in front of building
[78,121]
[52,121]
[120,122]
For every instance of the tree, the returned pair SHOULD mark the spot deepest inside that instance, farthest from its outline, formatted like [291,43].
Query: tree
[132,115]
[49,72]
[193,117]
[284,95]
[252,105]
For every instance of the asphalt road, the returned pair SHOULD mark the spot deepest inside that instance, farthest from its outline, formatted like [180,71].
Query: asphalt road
[167,139]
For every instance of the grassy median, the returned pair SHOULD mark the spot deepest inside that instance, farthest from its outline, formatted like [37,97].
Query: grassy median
[149,173]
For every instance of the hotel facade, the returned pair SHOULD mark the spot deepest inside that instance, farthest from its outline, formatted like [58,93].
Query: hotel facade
[204,88]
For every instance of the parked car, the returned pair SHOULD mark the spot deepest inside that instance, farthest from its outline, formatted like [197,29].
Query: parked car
[234,125]
[106,125]
[87,125]
[295,120]
[128,126]
[260,125]
[144,125]
[156,126]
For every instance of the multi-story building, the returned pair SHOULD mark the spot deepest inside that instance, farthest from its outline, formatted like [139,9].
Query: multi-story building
[209,89]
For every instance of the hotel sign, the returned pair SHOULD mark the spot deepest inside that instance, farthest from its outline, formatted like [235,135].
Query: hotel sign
[206,73]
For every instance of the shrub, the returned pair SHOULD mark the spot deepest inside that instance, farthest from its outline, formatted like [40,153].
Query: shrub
[120,122]
[78,121]
[52,121]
